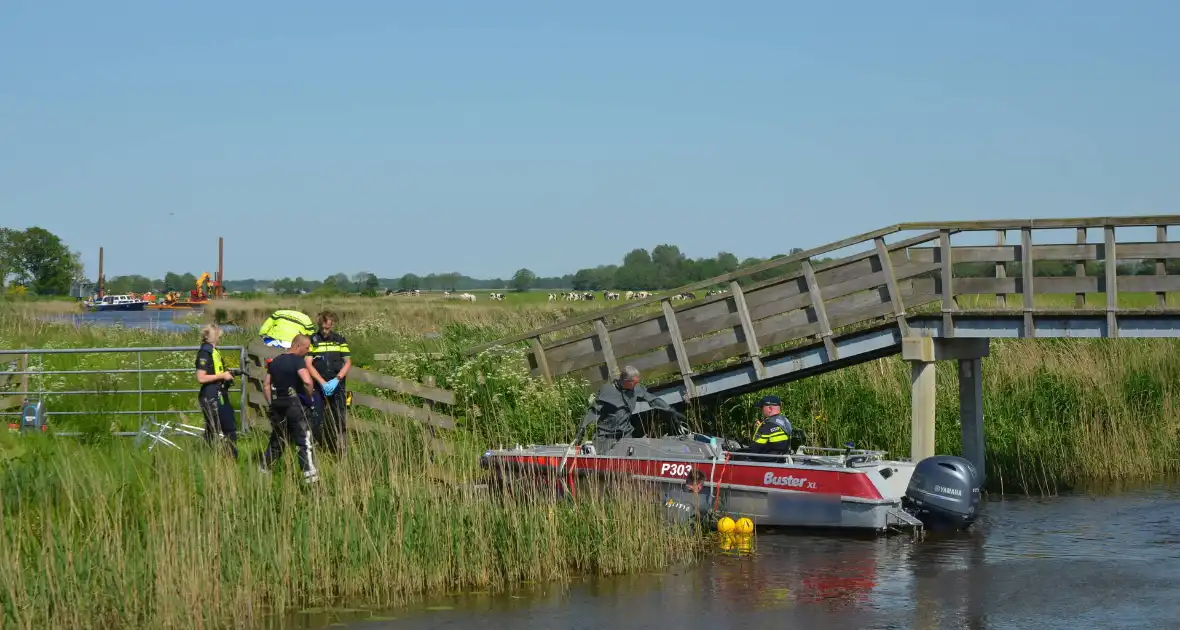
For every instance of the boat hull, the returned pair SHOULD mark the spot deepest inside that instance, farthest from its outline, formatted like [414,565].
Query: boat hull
[119,307]
[799,492]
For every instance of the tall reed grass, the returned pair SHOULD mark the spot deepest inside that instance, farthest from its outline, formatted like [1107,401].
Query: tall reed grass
[114,536]
[98,533]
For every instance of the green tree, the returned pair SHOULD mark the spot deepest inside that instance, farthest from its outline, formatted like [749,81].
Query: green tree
[44,263]
[371,284]
[409,282]
[9,264]
[523,279]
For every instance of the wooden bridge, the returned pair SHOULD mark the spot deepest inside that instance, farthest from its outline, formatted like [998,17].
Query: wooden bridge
[894,293]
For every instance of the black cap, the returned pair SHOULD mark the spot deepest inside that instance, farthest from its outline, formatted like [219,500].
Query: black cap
[770,400]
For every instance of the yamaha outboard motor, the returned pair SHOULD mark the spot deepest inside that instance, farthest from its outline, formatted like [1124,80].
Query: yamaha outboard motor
[944,492]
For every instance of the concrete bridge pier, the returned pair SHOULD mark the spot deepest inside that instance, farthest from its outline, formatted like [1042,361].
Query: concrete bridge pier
[922,353]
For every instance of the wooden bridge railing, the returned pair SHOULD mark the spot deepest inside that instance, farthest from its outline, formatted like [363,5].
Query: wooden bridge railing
[885,281]
[255,371]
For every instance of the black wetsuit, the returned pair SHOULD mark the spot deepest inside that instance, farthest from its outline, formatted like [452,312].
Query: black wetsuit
[289,413]
[214,402]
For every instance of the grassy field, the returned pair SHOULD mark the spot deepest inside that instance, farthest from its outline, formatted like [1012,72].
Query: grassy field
[100,534]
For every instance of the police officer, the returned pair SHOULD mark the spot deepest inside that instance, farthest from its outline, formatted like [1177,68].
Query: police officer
[213,397]
[288,389]
[772,432]
[613,407]
[281,327]
[329,363]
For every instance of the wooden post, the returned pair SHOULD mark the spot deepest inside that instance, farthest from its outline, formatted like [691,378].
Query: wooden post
[1001,270]
[891,282]
[1026,271]
[971,412]
[948,291]
[739,300]
[1079,299]
[922,402]
[920,353]
[428,405]
[1161,236]
[608,352]
[678,347]
[542,362]
[1112,285]
[821,313]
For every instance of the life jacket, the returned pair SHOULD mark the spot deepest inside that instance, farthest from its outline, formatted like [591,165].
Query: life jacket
[284,325]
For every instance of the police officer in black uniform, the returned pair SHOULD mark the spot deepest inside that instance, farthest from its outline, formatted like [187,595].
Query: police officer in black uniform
[213,397]
[329,363]
[288,388]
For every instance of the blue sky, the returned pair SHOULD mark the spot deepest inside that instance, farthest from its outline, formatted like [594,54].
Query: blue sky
[483,137]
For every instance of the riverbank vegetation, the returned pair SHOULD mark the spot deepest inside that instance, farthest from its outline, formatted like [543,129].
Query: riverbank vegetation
[99,533]
[96,532]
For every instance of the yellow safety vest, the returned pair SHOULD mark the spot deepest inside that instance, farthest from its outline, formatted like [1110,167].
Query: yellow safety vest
[775,435]
[218,364]
[284,325]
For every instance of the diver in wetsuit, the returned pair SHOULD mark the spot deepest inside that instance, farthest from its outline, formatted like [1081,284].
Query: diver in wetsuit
[691,503]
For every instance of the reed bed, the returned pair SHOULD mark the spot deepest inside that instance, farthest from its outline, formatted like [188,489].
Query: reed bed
[105,536]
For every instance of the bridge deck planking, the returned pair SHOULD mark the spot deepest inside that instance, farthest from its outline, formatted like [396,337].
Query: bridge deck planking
[854,292]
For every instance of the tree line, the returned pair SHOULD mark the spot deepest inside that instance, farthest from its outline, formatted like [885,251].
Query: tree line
[39,262]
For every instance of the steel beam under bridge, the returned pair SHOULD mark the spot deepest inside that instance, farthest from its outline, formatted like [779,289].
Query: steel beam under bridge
[886,339]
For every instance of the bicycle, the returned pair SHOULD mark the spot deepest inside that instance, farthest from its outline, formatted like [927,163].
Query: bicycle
[156,432]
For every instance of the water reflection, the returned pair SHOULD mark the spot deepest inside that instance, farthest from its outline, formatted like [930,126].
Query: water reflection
[1065,562]
[159,320]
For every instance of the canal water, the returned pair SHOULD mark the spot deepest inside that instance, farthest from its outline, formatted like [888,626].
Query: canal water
[168,321]
[1078,561]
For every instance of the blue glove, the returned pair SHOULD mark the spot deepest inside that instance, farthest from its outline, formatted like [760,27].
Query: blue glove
[331,386]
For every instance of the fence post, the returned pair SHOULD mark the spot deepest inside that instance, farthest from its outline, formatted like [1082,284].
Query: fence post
[23,366]
[243,396]
[139,373]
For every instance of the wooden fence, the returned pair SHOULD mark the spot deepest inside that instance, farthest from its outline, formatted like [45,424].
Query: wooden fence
[12,399]
[886,281]
[255,371]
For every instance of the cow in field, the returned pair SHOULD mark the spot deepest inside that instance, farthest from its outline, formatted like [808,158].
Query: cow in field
[497,296]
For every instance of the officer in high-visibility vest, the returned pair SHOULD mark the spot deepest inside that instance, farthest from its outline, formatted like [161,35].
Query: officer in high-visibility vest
[329,363]
[772,433]
[283,325]
[212,398]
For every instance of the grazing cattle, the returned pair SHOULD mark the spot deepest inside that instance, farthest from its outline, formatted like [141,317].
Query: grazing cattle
[716,292]
[497,296]
[467,297]
[637,295]
[610,295]
[552,297]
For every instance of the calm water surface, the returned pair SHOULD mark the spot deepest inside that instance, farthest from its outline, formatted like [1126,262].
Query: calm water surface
[168,321]
[1077,561]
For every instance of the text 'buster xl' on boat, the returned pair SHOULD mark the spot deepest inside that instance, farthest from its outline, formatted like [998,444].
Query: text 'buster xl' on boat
[812,487]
